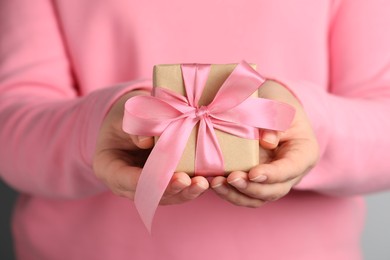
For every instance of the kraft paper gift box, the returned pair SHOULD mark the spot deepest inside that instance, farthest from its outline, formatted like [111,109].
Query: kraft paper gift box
[238,153]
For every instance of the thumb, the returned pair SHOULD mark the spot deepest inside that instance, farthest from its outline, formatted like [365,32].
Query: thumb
[269,139]
[143,142]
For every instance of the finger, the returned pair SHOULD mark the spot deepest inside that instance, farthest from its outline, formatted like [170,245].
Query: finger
[179,182]
[276,191]
[269,139]
[232,195]
[292,159]
[238,179]
[124,180]
[143,142]
[114,169]
[198,186]
[219,184]
[265,192]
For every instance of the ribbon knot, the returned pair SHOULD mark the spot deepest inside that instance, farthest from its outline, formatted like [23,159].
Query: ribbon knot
[201,112]
[172,117]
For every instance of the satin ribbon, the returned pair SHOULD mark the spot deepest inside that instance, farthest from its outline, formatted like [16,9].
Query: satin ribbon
[172,117]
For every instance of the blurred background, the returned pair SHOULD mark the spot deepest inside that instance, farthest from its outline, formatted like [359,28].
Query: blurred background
[375,242]
[7,198]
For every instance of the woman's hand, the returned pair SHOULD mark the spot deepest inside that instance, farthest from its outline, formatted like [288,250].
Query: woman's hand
[286,158]
[119,159]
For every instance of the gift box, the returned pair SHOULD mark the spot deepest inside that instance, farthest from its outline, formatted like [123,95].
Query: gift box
[238,153]
[206,119]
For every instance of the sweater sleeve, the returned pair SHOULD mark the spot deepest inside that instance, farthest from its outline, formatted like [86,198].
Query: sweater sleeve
[48,130]
[351,119]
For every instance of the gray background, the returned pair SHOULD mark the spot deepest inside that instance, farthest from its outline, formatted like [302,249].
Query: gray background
[375,242]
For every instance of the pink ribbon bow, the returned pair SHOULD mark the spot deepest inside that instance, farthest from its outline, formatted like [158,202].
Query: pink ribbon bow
[172,117]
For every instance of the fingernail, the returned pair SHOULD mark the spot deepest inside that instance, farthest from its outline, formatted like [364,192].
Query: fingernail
[143,138]
[239,183]
[270,138]
[220,189]
[179,185]
[259,178]
[202,186]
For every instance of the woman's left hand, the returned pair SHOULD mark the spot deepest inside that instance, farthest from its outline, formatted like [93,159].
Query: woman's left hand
[285,158]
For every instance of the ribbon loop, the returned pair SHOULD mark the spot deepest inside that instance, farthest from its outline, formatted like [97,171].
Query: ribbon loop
[172,117]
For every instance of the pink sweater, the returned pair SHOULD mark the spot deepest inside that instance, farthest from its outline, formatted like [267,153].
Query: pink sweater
[61,64]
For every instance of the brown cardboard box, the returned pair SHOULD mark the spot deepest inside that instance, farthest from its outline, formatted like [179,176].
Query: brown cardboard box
[238,153]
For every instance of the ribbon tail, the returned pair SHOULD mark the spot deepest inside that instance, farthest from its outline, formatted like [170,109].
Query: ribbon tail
[208,158]
[159,168]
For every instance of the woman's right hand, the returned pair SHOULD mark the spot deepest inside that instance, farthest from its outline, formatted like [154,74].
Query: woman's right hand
[119,158]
